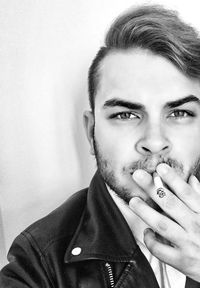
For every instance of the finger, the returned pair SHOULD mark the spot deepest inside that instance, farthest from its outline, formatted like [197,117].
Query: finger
[170,203]
[194,183]
[161,224]
[163,252]
[182,189]
[135,190]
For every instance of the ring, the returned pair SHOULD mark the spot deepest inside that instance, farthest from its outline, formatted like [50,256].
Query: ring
[161,192]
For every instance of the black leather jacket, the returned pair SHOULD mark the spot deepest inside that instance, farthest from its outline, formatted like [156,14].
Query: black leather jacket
[84,243]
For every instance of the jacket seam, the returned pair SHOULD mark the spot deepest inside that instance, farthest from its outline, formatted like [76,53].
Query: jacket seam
[103,257]
[33,243]
[44,252]
[67,236]
[112,258]
[77,229]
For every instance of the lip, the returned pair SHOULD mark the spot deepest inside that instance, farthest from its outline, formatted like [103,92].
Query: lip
[149,165]
[149,170]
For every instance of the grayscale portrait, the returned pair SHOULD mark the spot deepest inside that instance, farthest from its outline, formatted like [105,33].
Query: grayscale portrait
[100,133]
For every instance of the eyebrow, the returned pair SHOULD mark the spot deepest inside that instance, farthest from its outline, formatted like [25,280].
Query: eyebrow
[179,102]
[115,102]
[122,103]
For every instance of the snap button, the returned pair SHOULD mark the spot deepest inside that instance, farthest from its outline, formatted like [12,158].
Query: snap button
[76,251]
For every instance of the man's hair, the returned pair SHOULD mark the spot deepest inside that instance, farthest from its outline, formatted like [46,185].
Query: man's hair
[157,29]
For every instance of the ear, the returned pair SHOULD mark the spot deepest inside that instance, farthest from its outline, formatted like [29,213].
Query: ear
[88,120]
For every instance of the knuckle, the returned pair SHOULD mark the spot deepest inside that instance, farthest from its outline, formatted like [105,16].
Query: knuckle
[187,191]
[169,202]
[187,259]
[162,226]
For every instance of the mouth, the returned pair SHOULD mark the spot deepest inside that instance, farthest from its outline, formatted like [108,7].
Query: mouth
[150,169]
[147,164]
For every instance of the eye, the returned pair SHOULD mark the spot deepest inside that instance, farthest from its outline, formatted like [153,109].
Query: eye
[179,114]
[125,116]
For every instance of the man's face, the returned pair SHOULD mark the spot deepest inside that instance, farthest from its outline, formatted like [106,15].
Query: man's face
[146,112]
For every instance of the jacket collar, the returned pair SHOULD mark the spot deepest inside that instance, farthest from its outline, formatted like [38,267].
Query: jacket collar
[103,232]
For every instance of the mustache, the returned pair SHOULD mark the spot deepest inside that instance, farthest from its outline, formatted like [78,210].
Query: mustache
[149,164]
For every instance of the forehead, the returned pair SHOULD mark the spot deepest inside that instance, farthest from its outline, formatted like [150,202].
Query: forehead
[139,75]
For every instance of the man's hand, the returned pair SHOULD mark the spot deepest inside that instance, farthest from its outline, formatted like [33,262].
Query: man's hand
[179,224]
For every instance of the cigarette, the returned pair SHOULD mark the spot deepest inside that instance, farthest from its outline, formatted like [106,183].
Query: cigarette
[157,181]
[159,185]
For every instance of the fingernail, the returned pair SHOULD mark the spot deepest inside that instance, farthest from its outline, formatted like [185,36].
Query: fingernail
[138,175]
[134,201]
[146,230]
[162,169]
[194,180]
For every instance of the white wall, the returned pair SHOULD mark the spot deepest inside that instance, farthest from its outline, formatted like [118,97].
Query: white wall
[46,47]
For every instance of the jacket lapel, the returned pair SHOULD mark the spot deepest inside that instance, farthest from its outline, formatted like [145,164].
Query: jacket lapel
[191,283]
[138,273]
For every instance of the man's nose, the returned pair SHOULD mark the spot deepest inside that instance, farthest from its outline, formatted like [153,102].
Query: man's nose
[153,141]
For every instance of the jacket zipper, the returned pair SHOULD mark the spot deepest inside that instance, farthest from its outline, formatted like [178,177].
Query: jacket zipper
[110,275]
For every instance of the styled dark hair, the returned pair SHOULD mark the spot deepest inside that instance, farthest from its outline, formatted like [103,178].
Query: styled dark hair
[154,28]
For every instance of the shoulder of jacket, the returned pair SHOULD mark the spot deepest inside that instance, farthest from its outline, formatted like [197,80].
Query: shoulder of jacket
[59,225]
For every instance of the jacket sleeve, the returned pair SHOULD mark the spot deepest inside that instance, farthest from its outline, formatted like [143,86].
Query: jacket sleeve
[26,267]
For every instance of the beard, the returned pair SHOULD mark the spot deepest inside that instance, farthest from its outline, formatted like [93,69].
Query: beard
[148,164]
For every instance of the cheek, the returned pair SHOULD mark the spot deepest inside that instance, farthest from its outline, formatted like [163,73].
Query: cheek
[116,144]
[186,147]
[192,154]
[108,146]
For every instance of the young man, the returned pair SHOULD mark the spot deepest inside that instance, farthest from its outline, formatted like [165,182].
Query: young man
[138,224]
